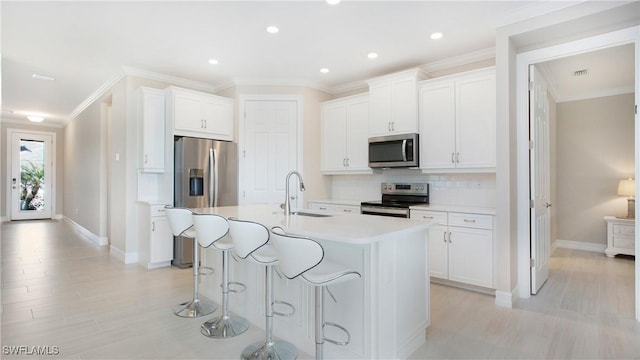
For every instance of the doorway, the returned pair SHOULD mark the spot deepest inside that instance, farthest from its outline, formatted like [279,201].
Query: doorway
[524,60]
[270,147]
[31,165]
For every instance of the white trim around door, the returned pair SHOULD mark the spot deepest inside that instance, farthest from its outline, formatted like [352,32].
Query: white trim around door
[50,167]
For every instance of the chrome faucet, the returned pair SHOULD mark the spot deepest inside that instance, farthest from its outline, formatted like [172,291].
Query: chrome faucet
[287,200]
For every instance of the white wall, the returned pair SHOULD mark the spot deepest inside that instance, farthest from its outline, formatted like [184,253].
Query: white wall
[595,150]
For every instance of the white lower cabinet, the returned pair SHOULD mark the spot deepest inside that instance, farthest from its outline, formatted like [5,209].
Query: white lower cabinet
[460,246]
[156,239]
[334,208]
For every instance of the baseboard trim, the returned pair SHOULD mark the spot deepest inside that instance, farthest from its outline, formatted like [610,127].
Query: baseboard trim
[4,218]
[578,245]
[127,258]
[505,299]
[98,240]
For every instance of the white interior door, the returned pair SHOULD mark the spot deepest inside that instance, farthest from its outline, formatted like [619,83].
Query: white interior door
[269,151]
[31,176]
[540,178]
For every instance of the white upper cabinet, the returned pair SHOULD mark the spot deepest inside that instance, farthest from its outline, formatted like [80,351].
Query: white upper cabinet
[458,122]
[345,126]
[198,114]
[393,103]
[151,130]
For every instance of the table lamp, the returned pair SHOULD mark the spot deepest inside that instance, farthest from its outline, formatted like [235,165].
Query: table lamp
[627,187]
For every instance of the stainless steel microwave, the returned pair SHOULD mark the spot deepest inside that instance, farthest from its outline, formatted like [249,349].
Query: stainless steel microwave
[394,151]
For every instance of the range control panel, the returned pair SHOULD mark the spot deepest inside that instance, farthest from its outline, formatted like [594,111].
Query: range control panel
[405,188]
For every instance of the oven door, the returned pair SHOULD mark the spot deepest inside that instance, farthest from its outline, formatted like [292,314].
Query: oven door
[384,211]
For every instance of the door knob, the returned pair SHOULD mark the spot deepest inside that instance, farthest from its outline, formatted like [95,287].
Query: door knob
[547,205]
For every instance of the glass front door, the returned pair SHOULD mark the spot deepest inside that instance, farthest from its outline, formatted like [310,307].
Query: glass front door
[31,176]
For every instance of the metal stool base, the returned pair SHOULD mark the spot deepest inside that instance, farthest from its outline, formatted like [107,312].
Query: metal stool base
[224,327]
[275,350]
[195,308]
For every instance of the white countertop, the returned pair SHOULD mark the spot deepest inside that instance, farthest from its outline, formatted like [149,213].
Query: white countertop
[354,229]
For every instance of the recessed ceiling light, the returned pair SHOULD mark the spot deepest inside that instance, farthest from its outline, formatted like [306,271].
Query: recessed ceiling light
[43,77]
[35,118]
[324,70]
[436,36]
[333,2]
[372,55]
[272,29]
[213,61]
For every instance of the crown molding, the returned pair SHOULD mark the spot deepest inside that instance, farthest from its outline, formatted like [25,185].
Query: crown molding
[106,86]
[281,82]
[173,80]
[352,86]
[460,60]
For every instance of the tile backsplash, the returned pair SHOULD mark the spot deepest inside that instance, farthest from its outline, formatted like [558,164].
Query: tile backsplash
[445,189]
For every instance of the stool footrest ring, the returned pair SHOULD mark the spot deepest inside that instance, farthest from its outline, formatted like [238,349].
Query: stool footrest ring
[291,307]
[205,271]
[241,287]
[341,343]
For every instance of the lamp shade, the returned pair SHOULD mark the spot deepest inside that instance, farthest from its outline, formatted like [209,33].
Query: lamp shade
[627,187]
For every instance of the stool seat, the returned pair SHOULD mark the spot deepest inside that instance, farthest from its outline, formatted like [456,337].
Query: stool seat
[251,242]
[213,230]
[303,257]
[328,273]
[265,255]
[181,224]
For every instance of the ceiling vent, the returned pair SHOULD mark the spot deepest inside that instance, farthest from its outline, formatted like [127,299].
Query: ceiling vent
[582,72]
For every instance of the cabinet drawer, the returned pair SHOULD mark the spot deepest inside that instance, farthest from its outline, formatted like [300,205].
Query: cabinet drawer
[440,217]
[625,230]
[624,242]
[157,210]
[471,220]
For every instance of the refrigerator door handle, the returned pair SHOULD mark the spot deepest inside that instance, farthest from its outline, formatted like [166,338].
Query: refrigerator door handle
[213,178]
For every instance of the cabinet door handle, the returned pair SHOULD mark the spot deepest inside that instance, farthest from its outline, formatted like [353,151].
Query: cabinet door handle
[427,217]
[153,226]
[393,126]
[449,237]
[389,126]
[453,160]
[146,158]
[346,210]
[470,220]
[457,157]
[323,208]
[347,162]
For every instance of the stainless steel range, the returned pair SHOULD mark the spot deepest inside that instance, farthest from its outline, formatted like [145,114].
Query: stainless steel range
[396,199]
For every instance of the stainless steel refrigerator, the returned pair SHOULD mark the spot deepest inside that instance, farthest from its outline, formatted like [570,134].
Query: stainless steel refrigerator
[206,175]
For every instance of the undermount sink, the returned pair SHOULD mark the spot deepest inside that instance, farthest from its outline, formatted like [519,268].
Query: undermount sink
[304,213]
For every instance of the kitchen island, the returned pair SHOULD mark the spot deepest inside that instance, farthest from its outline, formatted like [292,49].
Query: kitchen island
[386,311]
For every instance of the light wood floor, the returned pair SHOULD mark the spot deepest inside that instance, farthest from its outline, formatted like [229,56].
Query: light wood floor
[59,290]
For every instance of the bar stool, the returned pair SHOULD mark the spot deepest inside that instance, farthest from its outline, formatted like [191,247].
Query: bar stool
[181,224]
[212,230]
[250,241]
[304,257]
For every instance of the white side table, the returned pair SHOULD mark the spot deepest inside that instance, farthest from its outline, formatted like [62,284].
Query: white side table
[620,236]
